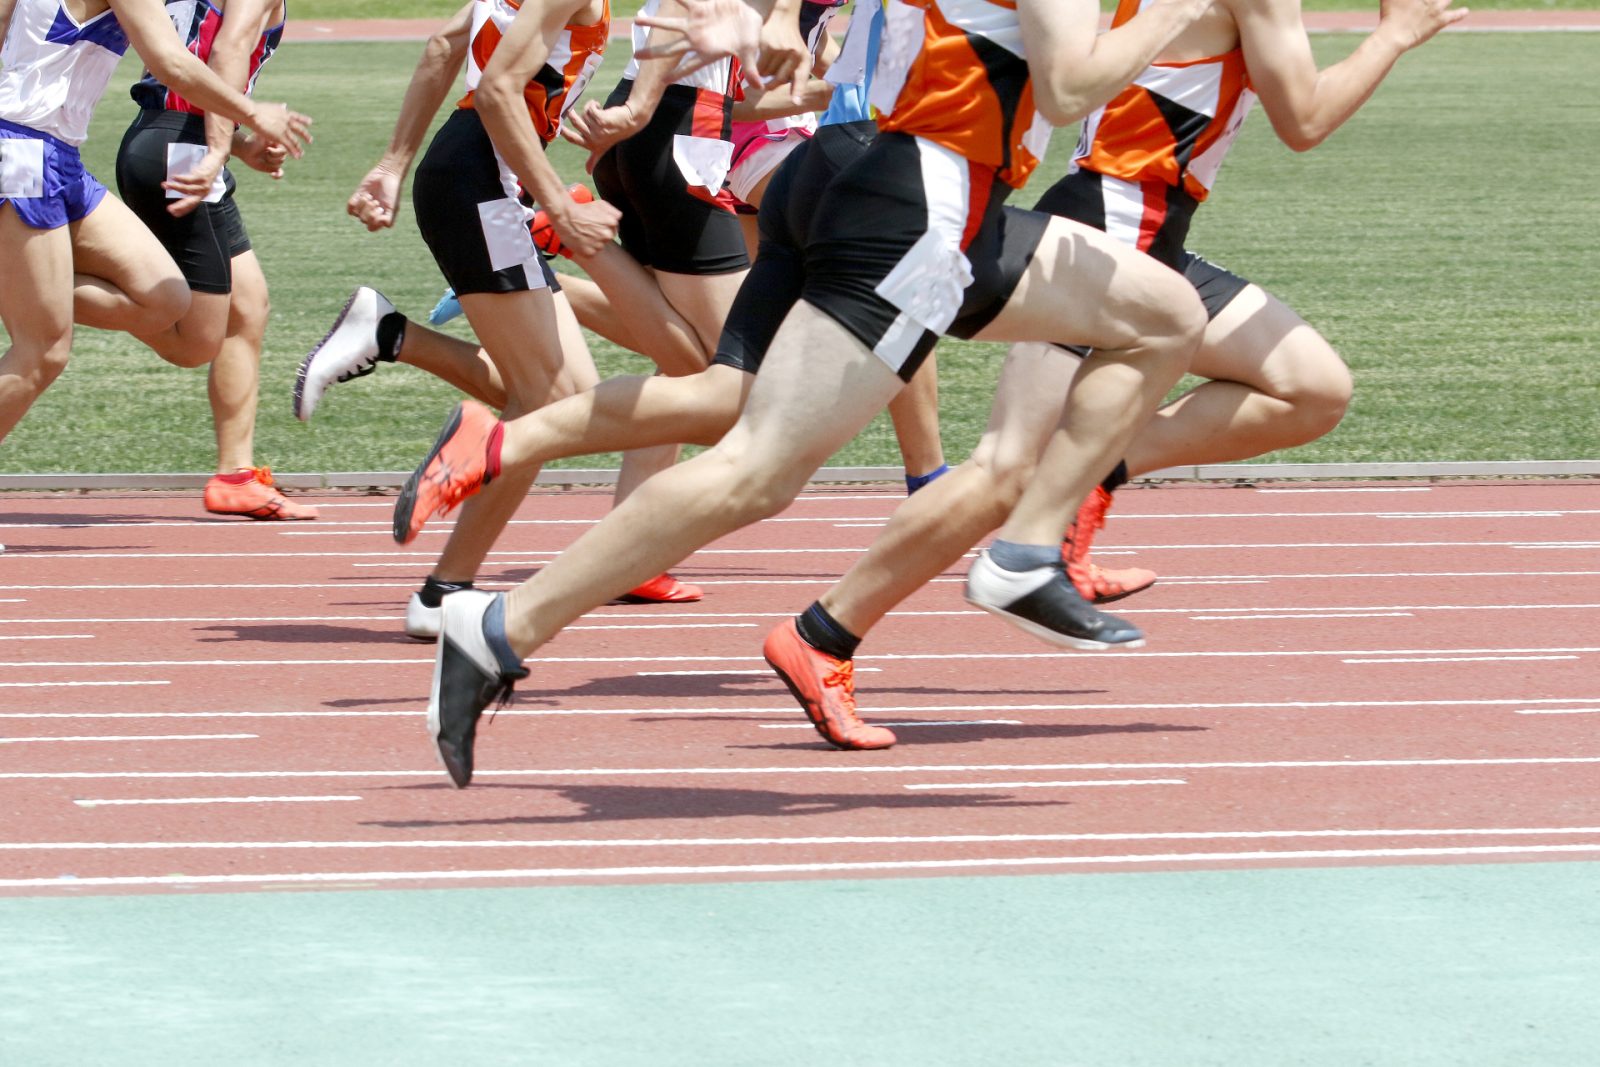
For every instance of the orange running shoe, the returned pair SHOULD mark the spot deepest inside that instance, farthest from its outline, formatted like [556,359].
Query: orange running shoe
[544,236]
[462,461]
[825,688]
[662,589]
[251,492]
[1094,583]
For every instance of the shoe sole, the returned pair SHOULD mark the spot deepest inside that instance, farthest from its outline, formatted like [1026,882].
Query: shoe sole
[305,364]
[1049,636]
[1120,596]
[406,503]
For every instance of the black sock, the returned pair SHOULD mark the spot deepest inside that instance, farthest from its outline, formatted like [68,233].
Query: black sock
[391,335]
[1117,478]
[433,590]
[822,632]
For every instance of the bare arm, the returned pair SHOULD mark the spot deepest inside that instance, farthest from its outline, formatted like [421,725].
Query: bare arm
[1304,104]
[779,103]
[157,43]
[504,110]
[376,200]
[242,25]
[1076,68]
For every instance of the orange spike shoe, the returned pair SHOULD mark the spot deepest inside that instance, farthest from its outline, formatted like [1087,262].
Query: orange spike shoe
[1094,583]
[251,492]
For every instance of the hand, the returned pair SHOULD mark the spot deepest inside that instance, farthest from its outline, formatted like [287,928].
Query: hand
[599,128]
[257,154]
[1413,22]
[712,30]
[583,228]
[194,186]
[277,125]
[376,199]
[785,57]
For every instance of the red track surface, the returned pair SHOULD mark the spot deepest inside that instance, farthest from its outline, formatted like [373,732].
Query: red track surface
[1389,674]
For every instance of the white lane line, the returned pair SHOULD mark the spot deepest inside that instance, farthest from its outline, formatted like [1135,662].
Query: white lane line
[1294,705]
[662,615]
[1558,711]
[69,685]
[1387,654]
[211,800]
[836,768]
[547,873]
[49,637]
[131,737]
[1353,489]
[1305,615]
[1456,659]
[1561,544]
[796,842]
[902,725]
[1048,785]
[1166,579]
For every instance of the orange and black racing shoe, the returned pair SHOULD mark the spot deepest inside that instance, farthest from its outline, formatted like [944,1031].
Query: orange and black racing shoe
[463,460]
[251,492]
[825,688]
[544,235]
[1094,583]
[662,589]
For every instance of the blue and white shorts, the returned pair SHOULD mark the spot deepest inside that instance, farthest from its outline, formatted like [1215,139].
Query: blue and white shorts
[43,177]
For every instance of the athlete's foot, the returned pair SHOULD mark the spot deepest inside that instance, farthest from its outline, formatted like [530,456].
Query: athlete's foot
[662,589]
[825,688]
[1096,584]
[463,460]
[467,678]
[350,350]
[1044,603]
[251,492]
[544,235]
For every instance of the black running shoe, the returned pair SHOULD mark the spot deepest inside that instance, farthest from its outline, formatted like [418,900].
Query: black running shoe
[466,679]
[1044,603]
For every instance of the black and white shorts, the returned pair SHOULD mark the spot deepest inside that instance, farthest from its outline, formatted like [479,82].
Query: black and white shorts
[1153,217]
[160,145]
[667,180]
[473,215]
[912,241]
[778,276]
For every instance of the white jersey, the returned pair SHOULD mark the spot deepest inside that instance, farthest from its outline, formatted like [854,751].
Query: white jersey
[55,69]
[719,77]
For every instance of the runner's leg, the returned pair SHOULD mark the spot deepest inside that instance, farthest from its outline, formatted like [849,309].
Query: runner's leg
[36,308]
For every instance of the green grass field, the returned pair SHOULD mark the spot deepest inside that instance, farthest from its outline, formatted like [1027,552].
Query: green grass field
[1444,241]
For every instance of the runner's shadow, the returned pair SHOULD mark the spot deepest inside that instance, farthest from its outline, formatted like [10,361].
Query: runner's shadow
[979,732]
[307,634]
[627,803]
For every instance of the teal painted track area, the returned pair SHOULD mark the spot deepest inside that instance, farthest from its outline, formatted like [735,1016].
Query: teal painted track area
[1379,965]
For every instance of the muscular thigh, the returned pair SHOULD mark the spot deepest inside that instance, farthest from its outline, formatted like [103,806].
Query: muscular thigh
[1259,341]
[111,243]
[35,279]
[1084,287]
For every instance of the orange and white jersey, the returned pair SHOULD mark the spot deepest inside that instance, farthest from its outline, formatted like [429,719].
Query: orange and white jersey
[1174,124]
[720,77]
[953,72]
[573,59]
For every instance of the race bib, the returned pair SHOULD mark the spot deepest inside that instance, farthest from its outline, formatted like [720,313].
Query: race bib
[21,168]
[183,159]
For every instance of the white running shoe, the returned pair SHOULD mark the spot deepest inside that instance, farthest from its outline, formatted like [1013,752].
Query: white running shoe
[422,622]
[1042,601]
[467,678]
[350,350]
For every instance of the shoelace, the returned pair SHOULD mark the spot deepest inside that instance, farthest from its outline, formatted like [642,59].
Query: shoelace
[264,476]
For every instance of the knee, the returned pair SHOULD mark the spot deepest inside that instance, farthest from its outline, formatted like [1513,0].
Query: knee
[1001,472]
[1319,391]
[38,362]
[248,317]
[755,490]
[168,301]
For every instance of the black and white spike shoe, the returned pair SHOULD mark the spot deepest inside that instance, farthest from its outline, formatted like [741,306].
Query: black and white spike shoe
[467,678]
[350,350]
[1043,602]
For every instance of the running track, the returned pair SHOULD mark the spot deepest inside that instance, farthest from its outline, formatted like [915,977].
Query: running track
[1335,675]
